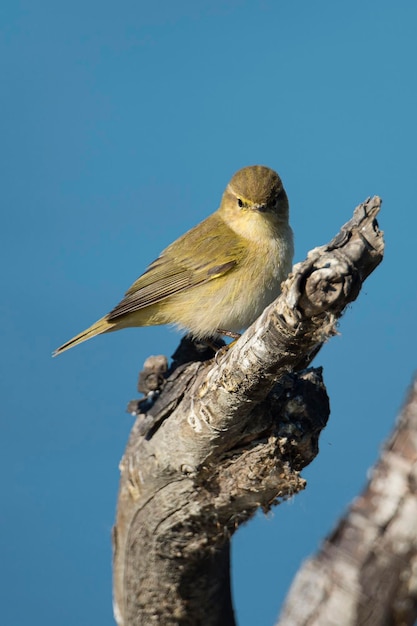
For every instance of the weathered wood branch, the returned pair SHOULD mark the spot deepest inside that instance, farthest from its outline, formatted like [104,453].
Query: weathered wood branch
[366,571]
[227,436]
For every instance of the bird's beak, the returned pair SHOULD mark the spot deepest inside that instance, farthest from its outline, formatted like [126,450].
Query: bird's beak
[260,207]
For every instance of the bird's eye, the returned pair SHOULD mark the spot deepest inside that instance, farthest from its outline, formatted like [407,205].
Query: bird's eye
[240,203]
[277,200]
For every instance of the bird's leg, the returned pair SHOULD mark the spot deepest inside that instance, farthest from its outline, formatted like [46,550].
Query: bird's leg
[221,348]
[224,349]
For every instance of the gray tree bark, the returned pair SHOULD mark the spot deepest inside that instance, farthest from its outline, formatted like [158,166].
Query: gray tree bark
[365,574]
[215,440]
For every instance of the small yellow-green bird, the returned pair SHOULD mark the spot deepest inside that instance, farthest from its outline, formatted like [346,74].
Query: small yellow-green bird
[218,277]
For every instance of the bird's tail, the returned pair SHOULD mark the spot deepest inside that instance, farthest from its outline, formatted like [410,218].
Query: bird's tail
[102,326]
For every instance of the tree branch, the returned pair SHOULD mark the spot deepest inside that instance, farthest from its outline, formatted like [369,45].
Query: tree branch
[227,436]
[366,570]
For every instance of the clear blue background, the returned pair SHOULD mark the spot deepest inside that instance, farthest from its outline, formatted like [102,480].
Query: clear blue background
[120,125]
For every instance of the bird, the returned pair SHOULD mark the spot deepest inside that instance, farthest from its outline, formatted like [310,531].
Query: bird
[218,277]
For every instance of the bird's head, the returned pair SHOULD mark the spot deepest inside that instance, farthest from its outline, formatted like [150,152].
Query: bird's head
[255,195]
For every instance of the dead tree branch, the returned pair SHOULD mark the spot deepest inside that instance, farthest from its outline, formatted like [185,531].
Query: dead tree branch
[366,570]
[227,436]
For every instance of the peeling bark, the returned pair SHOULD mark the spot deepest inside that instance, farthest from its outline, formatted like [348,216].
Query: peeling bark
[215,440]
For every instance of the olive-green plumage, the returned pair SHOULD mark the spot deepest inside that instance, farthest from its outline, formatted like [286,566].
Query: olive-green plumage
[219,275]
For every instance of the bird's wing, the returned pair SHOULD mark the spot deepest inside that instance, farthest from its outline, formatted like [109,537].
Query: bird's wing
[211,249]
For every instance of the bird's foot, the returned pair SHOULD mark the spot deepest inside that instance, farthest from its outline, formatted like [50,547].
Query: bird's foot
[228,333]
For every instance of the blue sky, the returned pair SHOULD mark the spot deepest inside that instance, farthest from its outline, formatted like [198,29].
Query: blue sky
[121,125]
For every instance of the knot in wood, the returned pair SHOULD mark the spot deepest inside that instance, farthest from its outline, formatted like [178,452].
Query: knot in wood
[333,283]
[152,377]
